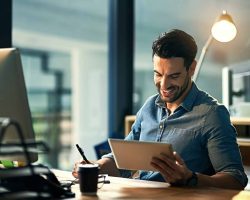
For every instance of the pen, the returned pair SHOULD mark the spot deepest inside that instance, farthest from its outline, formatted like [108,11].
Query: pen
[82,154]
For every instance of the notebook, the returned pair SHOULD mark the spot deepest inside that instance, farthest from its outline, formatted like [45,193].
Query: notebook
[137,155]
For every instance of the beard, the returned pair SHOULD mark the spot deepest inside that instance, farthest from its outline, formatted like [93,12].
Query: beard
[174,92]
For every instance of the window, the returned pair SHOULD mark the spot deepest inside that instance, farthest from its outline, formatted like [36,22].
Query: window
[63,45]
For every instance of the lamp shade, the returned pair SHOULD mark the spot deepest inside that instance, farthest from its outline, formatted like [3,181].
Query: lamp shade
[224,29]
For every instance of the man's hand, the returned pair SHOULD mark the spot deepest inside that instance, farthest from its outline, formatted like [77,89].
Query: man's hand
[107,166]
[75,169]
[173,169]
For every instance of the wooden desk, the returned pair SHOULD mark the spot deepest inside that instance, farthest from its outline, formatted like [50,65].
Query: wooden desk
[125,189]
[245,121]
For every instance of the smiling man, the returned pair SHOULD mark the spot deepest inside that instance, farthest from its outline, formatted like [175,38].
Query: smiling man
[197,126]
[172,80]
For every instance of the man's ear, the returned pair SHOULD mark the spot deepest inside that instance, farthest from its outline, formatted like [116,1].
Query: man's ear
[192,68]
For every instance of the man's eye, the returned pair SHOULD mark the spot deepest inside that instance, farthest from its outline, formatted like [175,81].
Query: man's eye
[157,75]
[174,77]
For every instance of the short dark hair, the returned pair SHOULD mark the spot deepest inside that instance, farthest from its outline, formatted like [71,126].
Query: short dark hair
[175,43]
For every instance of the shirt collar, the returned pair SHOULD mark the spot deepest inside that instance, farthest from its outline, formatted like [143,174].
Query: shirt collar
[190,98]
[188,101]
[159,102]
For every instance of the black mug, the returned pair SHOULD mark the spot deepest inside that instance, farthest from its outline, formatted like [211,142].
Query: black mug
[88,178]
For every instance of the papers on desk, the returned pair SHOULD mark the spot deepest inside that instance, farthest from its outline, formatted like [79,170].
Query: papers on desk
[138,183]
[63,175]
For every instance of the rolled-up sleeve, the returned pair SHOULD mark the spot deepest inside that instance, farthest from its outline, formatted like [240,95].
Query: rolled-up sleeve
[222,145]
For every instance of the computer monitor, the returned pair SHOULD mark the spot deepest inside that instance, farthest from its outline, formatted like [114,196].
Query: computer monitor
[236,87]
[14,101]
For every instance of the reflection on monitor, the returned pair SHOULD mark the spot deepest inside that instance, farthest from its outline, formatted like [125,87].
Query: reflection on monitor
[14,101]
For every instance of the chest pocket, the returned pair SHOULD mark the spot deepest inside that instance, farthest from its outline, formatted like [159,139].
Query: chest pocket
[184,141]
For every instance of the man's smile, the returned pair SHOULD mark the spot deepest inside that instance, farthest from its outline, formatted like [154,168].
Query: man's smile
[169,92]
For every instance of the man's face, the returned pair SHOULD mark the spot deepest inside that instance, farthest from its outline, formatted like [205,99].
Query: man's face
[171,78]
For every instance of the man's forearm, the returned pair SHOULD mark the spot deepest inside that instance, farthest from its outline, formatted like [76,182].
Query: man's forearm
[221,180]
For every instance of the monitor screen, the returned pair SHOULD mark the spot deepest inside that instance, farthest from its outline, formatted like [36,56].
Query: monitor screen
[236,89]
[14,101]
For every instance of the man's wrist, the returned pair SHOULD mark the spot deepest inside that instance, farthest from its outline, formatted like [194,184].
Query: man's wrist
[193,180]
[183,181]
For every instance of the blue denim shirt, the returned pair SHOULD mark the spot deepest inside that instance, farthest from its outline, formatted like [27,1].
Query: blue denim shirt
[199,130]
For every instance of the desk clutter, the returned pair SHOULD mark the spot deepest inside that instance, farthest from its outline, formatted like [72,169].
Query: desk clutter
[29,181]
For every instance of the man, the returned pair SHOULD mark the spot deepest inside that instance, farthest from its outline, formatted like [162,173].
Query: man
[206,151]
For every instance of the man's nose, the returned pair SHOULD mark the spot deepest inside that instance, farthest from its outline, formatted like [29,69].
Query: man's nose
[165,83]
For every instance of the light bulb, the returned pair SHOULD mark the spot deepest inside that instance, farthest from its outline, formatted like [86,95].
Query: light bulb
[224,29]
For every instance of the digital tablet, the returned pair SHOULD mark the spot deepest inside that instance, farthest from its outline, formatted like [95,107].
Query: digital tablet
[137,155]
